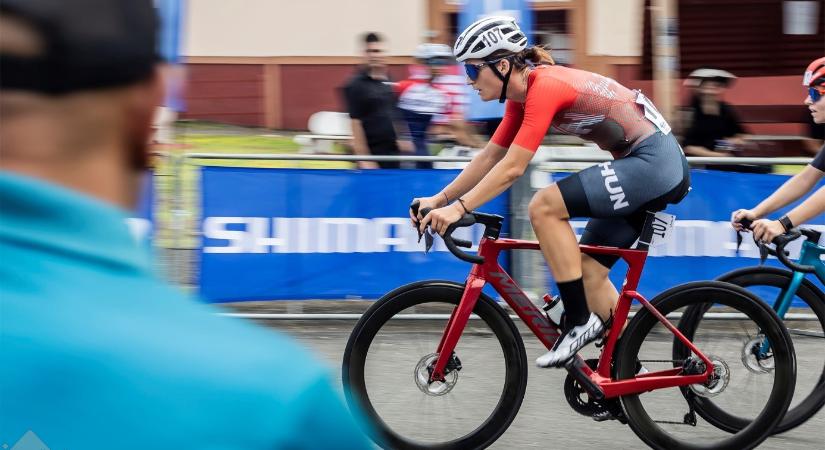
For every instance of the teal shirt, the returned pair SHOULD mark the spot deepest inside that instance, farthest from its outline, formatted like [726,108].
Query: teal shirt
[97,353]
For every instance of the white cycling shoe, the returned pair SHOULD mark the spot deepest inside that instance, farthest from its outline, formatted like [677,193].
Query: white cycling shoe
[570,342]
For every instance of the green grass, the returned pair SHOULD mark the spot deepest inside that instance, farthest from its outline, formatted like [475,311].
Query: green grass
[785,169]
[177,200]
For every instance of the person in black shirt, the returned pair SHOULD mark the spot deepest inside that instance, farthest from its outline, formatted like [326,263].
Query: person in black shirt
[370,102]
[801,183]
[714,126]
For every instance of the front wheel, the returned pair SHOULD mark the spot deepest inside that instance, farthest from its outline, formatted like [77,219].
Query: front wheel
[771,284]
[676,418]
[392,348]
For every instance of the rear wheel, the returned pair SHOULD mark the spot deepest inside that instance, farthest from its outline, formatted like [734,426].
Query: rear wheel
[676,418]
[388,359]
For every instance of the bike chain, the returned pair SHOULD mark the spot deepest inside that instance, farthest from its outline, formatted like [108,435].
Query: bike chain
[690,417]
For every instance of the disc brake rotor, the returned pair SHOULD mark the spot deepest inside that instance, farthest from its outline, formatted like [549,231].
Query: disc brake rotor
[421,374]
[753,358]
[717,382]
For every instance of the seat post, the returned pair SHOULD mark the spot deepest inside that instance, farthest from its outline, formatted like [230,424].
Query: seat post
[647,232]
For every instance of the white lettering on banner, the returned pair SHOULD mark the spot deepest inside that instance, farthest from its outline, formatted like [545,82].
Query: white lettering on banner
[215,228]
[706,238]
[394,234]
[318,235]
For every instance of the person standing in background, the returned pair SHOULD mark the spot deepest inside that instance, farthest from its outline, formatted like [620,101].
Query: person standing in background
[370,102]
[420,100]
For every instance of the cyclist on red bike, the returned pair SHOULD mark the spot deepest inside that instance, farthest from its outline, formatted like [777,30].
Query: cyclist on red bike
[800,184]
[649,169]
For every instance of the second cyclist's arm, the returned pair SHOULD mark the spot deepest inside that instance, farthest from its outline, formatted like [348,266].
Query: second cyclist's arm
[462,134]
[789,192]
[698,150]
[810,208]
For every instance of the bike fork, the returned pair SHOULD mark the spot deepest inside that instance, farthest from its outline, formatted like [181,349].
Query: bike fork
[455,326]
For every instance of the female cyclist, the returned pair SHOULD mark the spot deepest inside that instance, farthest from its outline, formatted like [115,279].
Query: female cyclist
[648,172]
[801,183]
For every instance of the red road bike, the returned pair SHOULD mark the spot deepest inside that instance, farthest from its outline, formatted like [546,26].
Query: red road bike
[454,374]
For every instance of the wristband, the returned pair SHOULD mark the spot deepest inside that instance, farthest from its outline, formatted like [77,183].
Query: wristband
[445,196]
[462,205]
[786,223]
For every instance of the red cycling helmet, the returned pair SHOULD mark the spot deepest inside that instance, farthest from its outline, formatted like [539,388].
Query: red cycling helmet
[815,73]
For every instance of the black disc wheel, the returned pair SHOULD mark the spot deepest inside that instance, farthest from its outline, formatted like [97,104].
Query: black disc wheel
[390,355]
[686,417]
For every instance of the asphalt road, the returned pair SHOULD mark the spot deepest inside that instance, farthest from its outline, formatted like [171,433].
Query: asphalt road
[545,420]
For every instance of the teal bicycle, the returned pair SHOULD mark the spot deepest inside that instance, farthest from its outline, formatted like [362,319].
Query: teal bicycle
[784,287]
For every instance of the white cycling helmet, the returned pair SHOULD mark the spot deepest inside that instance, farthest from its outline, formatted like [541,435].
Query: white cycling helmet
[426,52]
[490,38]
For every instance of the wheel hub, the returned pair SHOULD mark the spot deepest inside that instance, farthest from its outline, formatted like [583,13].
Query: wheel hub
[754,359]
[424,369]
[718,380]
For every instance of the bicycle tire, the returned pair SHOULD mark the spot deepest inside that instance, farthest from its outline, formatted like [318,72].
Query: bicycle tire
[815,299]
[757,430]
[420,293]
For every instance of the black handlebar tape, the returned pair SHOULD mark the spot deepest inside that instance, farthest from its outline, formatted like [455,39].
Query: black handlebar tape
[781,241]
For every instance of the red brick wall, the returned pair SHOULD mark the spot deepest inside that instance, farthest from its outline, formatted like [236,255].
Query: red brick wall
[234,93]
[226,93]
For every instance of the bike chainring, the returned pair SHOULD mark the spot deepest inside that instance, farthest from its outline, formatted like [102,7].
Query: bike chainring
[582,403]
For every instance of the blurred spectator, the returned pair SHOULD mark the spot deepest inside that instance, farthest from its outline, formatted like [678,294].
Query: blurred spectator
[713,128]
[451,78]
[97,352]
[423,102]
[370,102]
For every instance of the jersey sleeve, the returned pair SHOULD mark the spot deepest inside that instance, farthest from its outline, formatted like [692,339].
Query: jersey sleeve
[510,124]
[545,97]
[819,161]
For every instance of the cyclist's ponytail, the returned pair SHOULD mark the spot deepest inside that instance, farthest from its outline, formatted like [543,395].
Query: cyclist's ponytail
[534,55]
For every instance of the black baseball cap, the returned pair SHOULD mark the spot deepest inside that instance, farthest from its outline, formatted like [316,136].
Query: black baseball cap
[89,44]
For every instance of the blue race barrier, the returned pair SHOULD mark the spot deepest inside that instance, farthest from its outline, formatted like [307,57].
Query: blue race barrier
[272,234]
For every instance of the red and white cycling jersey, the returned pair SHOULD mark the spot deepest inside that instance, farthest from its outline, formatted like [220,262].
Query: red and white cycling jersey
[581,103]
[419,96]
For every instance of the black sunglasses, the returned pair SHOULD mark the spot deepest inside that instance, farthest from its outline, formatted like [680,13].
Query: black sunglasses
[473,70]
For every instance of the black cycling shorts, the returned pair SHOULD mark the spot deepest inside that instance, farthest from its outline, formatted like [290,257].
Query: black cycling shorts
[617,194]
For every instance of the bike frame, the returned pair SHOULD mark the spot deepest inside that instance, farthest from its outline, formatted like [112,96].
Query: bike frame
[490,271]
[809,255]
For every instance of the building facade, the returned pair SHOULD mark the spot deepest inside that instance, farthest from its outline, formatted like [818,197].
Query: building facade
[274,63]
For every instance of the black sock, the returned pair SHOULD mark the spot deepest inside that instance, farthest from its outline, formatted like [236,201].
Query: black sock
[575,303]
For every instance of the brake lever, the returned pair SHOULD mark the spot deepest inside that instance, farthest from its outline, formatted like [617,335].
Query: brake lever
[746,224]
[428,241]
[414,206]
[763,253]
